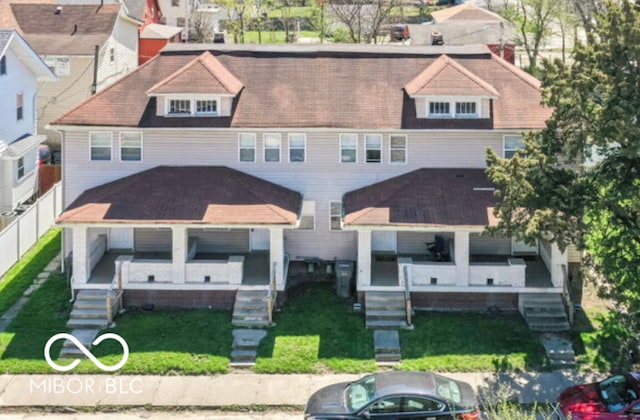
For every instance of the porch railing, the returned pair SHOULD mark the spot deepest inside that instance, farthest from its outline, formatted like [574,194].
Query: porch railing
[566,295]
[407,294]
[114,302]
[272,293]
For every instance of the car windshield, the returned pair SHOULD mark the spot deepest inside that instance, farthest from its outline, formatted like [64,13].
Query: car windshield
[616,392]
[448,389]
[360,393]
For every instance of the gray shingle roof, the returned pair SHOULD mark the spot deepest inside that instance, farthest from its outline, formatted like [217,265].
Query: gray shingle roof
[5,36]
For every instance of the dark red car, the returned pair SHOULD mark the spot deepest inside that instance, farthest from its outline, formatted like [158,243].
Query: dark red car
[617,397]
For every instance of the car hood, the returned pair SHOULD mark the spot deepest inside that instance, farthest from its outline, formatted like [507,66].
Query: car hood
[581,399]
[328,400]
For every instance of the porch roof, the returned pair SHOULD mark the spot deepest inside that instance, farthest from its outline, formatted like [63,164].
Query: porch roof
[214,195]
[427,197]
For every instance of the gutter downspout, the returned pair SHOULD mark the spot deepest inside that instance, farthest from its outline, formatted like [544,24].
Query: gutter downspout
[94,85]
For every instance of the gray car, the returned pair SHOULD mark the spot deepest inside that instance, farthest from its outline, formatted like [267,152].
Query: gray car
[395,395]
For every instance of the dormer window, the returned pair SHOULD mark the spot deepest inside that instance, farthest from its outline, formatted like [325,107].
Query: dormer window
[452,108]
[192,107]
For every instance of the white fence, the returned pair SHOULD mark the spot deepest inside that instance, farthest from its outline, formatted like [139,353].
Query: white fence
[26,229]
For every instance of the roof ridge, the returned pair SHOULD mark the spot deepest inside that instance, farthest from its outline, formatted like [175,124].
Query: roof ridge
[103,91]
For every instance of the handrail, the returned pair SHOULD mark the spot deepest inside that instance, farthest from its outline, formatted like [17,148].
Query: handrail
[114,303]
[566,296]
[271,293]
[407,294]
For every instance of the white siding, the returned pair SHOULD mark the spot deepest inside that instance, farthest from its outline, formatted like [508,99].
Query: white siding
[321,179]
[414,242]
[152,240]
[18,79]
[124,42]
[489,245]
[211,240]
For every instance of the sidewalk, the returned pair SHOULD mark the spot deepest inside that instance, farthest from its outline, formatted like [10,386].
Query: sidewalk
[239,389]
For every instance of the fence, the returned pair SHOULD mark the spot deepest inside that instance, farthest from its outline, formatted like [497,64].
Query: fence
[23,232]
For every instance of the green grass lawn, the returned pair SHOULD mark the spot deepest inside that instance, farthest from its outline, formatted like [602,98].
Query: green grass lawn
[273,37]
[24,272]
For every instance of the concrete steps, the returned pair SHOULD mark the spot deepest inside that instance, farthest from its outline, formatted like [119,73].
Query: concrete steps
[387,347]
[245,346]
[251,309]
[385,310]
[544,312]
[559,350]
[88,316]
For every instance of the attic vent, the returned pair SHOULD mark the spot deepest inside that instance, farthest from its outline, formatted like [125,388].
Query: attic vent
[436,38]
[58,10]
[484,189]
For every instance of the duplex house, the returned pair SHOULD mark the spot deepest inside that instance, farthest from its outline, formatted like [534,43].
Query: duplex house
[21,70]
[87,47]
[209,169]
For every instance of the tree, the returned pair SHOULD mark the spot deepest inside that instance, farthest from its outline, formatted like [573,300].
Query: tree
[239,13]
[319,21]
[533,21]
[202,26]
[578,180]
[363,18]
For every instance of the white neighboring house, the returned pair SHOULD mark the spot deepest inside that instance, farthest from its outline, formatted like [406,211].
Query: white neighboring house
[175,12]
[20,71]
[66,37]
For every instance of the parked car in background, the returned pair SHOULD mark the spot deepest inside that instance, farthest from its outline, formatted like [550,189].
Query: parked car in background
[395,395]
[399,32]
[616,397]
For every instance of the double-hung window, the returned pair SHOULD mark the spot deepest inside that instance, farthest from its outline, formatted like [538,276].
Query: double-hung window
[348,148]
[335,215]
[512,144]
[297,148]
[398,148]
[373,148]
[272,142]
[131,147]
[19,106]
[247,147]
[179,106]
[100,144]
[20,167]
[466,109]
[206,106]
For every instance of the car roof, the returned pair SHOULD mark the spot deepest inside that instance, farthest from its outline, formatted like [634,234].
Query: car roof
[399,382]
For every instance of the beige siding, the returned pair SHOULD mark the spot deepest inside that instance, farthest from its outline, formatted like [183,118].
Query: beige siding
[321,179]
[160,104]
[212,240]
[152,240]
[489,245]
[421,107]
[574,255]
[485,107]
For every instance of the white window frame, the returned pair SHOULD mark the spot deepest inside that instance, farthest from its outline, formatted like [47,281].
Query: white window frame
[304,147]
[332,215]
[308,210]
[19,106]
[3,65]
[512,151]
[405,149]
[125,133]
[438,114]
[453,101]
[20,167]
[241,147]
[466,114]
[63,66]
[193,103]
[274,136]
[367,137]
[91,147]
[355,147]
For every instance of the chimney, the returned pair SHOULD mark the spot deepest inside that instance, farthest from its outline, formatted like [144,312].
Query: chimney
[436,38]
[58,10]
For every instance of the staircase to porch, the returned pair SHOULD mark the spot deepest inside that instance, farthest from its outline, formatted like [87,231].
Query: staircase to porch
[385,313]
[251,309]
[88,316]
[544,312]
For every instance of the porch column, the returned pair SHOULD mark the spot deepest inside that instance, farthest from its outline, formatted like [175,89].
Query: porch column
[558,259]
[461,255]
[276,257]
[81,267]
[364,258]
[179,254]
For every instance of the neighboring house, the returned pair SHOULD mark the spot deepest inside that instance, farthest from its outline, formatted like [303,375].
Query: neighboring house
[202,13]
[467,24]
[20,72]
[206,171]
[67,36]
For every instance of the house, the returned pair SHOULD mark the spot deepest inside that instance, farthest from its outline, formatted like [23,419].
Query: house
[69,37]
[467,24]
[154,35]
[21,70]
[197,17]
[207,171]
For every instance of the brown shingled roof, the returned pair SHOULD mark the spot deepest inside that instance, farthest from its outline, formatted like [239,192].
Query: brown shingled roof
[75,30]
[205,74]
[426,197]
[317,88]
[446,77]
[213,195]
